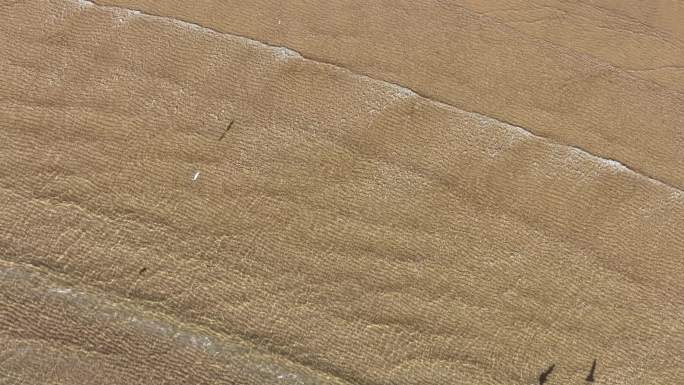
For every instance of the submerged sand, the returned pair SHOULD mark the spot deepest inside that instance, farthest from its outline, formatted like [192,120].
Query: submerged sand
[409,193]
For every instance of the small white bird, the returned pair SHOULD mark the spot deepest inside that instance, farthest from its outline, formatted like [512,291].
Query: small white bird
[194,177]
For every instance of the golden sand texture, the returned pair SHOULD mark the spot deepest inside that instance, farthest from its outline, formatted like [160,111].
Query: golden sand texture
[345,229]
[461,53]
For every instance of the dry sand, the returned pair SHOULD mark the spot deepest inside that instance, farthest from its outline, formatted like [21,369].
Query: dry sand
[413,192]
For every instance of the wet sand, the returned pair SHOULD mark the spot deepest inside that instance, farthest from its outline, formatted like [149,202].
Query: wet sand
[393,202]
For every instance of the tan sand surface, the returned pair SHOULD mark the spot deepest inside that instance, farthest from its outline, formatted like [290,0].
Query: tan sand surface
[378,212]
[524,74]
